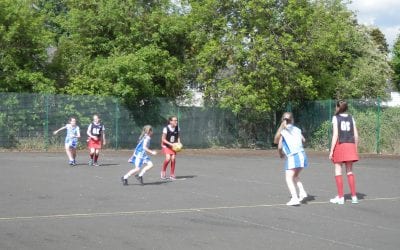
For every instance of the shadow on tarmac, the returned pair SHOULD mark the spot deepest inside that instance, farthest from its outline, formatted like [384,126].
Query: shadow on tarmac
[310,197]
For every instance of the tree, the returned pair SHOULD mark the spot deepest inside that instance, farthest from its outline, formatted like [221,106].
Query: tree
[379,39]
[396,63]
[256,56]
[23,44]
[130,49]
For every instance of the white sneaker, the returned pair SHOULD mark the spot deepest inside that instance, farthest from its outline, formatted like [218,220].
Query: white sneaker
[354,199]
[337,200]
[302,196]
[293,202]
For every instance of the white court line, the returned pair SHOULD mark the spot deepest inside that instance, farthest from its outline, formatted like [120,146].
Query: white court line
[167,211]
[290,231]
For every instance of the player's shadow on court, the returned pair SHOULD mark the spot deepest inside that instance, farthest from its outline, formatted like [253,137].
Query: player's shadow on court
[360,196]
[183,177]
[154,183]
[109,164]
[309,197]
[178,178]
[101,165]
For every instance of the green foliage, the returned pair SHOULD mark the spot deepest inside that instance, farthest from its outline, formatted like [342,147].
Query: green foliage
[379,39]
[23,44]
[320,140]
[249,57]
[256,55]
[396,64]
[127,49]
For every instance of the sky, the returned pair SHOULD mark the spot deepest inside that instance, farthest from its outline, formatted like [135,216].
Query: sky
[383,14]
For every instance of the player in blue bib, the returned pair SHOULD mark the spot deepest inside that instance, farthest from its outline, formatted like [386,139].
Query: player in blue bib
[290,146]
[140,157]
[71,139]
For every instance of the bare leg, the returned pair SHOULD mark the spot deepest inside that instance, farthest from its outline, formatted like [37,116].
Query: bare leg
[68,152]
[148,166]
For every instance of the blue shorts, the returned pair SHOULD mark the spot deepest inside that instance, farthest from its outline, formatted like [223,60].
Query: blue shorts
[297,160]
[72,143]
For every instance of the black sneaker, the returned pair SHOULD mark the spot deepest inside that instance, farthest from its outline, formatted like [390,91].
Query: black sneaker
[139,178]
[124,181]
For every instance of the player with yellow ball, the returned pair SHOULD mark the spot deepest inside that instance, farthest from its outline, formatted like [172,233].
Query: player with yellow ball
[170,144]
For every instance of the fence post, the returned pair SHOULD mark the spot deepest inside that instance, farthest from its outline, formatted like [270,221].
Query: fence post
[116,123]
[289,107]
[46,124]
[378,127]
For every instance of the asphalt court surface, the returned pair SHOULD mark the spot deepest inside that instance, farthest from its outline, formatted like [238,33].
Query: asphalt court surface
[221,200]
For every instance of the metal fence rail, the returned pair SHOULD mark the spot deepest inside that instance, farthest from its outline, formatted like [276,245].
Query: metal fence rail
[27,122]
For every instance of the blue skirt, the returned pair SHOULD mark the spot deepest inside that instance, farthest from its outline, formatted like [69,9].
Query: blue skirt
[140,161]
[298,160]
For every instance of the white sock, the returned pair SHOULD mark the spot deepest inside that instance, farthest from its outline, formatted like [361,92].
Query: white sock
[129,174]
[142,172]
[301,188]
[147,167]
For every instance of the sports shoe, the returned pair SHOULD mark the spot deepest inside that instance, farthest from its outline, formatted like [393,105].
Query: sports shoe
[96,164]
[354,199]
[90,162]
[163,177]
[71,163]
[172,178]
[302,196]
[337,200]
[124,181]
[139,178]
[294,201]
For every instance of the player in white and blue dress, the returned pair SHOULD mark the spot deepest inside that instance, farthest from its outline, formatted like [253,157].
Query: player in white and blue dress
[71,140]
[290,145]
[140,157]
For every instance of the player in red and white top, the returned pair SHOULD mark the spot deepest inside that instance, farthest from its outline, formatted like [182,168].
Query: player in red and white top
[97,138]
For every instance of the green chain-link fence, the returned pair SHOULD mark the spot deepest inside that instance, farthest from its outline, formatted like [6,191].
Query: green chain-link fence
[27,122]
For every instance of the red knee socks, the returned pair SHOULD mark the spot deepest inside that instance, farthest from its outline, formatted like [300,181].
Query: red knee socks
[352,184]
[172,167]
[96,157]
[339,185]
[164,166]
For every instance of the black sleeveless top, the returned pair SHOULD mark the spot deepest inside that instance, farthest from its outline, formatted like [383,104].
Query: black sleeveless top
[96,129]
[345,129]
[172,136]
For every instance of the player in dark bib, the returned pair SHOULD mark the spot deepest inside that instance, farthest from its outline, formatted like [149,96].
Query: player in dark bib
[170,135]
[97,138]
[344,150]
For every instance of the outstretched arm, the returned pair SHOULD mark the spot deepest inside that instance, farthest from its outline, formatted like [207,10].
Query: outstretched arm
[58,130]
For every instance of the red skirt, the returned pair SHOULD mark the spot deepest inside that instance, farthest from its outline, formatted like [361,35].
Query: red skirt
[94,143]
[168,151]
[345,152]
